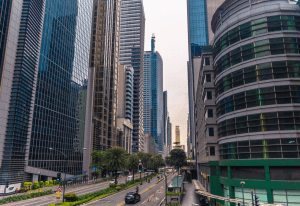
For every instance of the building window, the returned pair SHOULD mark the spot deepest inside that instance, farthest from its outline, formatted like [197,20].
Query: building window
[212,151]
[207,61]
[209,95]
[211,132]
[208,78]
[210,113]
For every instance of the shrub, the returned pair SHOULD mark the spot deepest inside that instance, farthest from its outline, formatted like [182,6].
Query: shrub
[70,197]
[36,185]
[113,185]
[42,183]
[118,188]
[51,182]
[47,184]
[173,193]
[24,197]
[28,184]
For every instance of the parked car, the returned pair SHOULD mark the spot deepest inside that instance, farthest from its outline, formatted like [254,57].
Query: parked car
[112,181]
[132,197]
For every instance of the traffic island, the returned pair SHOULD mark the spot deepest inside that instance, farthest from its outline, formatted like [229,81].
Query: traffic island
[101,194]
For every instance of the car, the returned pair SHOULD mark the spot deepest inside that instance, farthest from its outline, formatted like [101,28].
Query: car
[132,197]
[112,181]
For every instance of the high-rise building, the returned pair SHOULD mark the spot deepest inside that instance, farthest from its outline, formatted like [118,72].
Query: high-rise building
[44,66]
[104,59]
[248,120]
[125,106]
[153,95]
[132,36]
[169,135]
[199,15]
[165,123]
[177,134]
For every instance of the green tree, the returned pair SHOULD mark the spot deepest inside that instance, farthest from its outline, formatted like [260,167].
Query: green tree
[115,159]
[132,163]
[177,159]
[144,157]
[97,161]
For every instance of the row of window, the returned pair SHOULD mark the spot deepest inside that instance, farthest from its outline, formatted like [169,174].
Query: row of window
[262,149]
[263,122]
[259,97]
[258,49]
[259,72]
[256,27]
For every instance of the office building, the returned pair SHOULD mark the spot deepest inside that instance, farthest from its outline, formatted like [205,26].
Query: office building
[169,141]
[177,134]
[132,36]
[200,34]
[125,106]
[251,114]
[153,95]
[165,123]
[43,88]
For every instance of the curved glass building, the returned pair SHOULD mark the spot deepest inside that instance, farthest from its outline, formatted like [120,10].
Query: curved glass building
[257,67]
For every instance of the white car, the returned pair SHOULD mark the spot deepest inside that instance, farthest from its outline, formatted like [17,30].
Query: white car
[112,181]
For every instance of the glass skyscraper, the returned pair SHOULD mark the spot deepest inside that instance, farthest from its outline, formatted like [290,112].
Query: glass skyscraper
[153,95]
[132,36]
[59,107]
[44,87]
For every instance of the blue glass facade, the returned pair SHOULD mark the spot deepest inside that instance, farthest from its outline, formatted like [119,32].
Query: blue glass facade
[198,28]
[153,95]
[60,98]
[23,85]
[5,8]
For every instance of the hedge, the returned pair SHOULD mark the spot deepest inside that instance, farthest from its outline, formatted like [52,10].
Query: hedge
[24,197]
[100,194]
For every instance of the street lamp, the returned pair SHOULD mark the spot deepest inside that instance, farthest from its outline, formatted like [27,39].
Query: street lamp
[39,177]
[66,160]
[242,183]
[140,170]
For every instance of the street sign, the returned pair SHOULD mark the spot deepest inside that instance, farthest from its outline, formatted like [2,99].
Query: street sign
[95,168]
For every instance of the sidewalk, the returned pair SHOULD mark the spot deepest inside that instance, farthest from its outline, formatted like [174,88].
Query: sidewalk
[191,197]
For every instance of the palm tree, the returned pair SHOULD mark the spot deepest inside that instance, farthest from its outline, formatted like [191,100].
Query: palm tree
[132,163]
[116,159]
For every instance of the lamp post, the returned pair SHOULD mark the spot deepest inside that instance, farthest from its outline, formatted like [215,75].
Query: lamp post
[140,170]
[242,183]
[66,160]
[39,178]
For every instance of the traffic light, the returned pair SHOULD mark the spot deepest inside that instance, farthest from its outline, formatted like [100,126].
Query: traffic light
[256,200]
[58,176]
[140,168]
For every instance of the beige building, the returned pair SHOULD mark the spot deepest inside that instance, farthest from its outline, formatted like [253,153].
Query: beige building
[177,134]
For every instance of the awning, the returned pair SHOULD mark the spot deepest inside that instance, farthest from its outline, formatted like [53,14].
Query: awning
[202,191]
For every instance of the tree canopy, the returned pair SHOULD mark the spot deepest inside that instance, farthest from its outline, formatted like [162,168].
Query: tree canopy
[177,158]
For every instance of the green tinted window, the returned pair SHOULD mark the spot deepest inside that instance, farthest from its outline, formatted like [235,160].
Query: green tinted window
[263,42]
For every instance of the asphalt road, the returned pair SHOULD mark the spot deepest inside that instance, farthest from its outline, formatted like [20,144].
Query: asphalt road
[118,199]
[49,199]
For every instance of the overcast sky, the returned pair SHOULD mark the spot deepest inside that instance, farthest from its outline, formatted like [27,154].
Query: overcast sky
[168,20]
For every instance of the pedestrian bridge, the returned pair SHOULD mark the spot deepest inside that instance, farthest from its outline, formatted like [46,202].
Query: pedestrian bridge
[202,191]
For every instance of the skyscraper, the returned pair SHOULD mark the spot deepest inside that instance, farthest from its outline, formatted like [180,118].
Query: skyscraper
[132,36]
[169,135]
[105,61]
[199,13]
[125,106]
[153,95]
[177,134]
[165,123]
[247,101]
[44,87]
